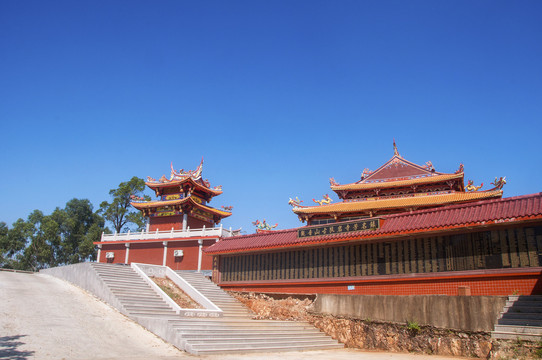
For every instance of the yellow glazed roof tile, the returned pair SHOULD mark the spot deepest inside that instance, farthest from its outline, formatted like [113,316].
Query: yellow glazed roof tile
[396,183]
[402,202]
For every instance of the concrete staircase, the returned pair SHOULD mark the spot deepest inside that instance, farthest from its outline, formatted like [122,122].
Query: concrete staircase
[231,307]
[235,332]
[136,296]
[521,318]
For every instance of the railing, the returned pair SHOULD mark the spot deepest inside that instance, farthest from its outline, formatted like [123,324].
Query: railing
[171,234]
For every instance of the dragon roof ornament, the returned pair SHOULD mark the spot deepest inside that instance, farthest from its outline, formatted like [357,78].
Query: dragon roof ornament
[181,175]
[263,225]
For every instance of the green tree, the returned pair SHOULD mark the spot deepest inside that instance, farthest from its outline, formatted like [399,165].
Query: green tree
[119,211]
[64,237]
[13,242]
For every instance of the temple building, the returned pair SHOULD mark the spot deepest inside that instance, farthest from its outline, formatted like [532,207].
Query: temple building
[403,229]
[180,225]
[182,202]
[397,186]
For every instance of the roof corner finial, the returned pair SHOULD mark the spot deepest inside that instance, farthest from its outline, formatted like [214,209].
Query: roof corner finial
[395,151]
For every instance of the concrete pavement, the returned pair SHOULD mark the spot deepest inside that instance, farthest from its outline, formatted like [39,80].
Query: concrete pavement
[42,317]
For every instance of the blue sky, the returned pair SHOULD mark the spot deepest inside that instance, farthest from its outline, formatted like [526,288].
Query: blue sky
[277,96]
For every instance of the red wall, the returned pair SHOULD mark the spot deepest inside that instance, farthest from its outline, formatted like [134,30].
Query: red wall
[197,223]
[153,252]
[146,253]
[118,249]
[165,223]
[526,281]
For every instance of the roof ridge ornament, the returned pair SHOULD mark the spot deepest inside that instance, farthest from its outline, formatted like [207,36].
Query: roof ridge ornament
[326,200]
[460,170]
[395,151]
[263,225]
[295,203]
[181,174]
[429,166]
[499,182]
[472,187]
[366,172]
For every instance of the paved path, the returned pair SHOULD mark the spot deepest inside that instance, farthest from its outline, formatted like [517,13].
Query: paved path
[45,318]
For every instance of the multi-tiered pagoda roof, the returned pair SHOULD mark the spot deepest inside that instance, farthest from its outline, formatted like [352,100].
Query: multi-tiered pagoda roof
[397,186]
[184,192]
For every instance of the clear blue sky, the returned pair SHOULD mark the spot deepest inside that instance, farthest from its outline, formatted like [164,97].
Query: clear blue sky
[277,96]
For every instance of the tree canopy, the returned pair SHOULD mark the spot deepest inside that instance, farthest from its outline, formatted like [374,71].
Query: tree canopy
[119,211]
[67,235]
[64,237]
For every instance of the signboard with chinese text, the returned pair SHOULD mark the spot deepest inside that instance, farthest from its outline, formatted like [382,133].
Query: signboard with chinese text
[339,228]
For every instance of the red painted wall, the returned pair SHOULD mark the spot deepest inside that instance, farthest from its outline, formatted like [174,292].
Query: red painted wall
[165,223]
[118,249]
[146,253]
[153,252]
[197,223]
[189,261]
[528,282]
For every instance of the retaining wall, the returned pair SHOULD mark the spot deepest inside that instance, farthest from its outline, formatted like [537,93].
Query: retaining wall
[470,313]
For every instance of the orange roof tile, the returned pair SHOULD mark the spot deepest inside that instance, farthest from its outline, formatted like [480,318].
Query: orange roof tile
[402,202]
[153,204]
[397,183]
[156,185]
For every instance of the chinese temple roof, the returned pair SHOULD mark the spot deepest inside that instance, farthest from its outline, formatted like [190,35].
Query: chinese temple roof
[414,201]
[398,185]
[480,214]
[178,202]
[412,180]
[398,172]
[178,178]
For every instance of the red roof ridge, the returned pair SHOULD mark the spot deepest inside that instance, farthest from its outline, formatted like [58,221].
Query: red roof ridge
[463,205]
[262,234]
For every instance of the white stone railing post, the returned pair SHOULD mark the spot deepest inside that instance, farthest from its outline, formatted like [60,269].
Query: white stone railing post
[165,253]
[200,252]
[127,253]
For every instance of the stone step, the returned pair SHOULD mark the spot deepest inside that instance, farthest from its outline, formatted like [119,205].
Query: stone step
[521,315]
[524,303]
[533,330]
[123,272]
[241,332]
[522,309]
[238,326]
[137,312]
[211,335]
[141,300]
[131,288]
[248,323]
[111,266]
[515,336]
[525,297]
[248,343]
[142,297]
[127,276]
[148,307]
[147,290]
[519,322]
[265,348]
